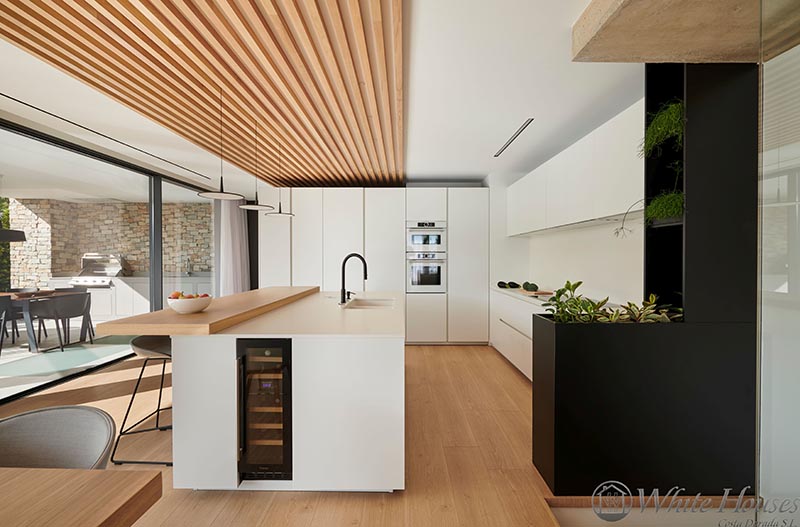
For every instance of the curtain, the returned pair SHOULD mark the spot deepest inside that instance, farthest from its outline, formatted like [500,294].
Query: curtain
[234,263]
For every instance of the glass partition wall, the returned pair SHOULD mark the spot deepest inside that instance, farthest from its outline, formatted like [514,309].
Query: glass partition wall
[779,452]
[90,222]
[187,241]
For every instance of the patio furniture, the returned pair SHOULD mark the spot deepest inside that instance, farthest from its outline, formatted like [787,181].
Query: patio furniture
[61,308]
[16,314]
[5,313]
[150,348]
[75,289]
[57,437]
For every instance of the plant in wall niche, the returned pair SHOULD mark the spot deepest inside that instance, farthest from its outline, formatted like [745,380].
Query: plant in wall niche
[664,207]
[567,307]
[667,123]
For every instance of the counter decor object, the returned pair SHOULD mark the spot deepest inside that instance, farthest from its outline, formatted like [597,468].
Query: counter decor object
[188,305]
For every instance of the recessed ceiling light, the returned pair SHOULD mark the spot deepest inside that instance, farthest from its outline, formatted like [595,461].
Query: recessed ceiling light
[514,136]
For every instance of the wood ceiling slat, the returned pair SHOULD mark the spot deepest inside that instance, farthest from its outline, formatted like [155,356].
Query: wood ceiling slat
[377,58]
[274,64]
[190,26]
[286,103]
[167,52]
[324,79]
[344,59]
[309,59]
[336,86]
[356,36]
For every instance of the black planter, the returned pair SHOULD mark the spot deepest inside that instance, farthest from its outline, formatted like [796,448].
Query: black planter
[650,405]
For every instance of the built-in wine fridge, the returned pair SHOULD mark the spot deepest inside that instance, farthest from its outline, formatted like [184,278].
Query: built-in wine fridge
[265,408]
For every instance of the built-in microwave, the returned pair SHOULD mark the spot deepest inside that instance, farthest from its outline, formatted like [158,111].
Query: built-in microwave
[427,273]
[426,236]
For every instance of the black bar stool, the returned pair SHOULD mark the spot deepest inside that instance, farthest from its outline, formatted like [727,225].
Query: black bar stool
[150,348]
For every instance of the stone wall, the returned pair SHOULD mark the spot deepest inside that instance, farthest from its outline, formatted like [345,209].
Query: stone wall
[59,232]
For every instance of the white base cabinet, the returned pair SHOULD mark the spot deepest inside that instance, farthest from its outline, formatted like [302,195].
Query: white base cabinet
[426,317]
[512,329]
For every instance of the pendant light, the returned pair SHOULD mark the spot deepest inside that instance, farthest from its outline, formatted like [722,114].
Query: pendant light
[12,235]
[280,212]
[221,194]
[256,205]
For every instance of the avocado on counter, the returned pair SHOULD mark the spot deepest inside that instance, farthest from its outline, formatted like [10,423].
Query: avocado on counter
[530,286]
[502,285]
[513,285]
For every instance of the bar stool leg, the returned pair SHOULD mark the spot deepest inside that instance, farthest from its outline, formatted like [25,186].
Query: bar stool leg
[130,430]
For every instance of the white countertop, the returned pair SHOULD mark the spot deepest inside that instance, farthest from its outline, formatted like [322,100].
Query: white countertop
[514,293]
[320,315]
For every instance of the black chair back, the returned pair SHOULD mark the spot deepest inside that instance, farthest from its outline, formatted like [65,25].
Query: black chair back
[5,306]
[62,306]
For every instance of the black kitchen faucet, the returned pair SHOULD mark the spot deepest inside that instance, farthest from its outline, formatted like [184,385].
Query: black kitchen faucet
[345,294]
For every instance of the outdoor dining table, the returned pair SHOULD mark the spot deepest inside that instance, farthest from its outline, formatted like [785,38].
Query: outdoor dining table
[22,301]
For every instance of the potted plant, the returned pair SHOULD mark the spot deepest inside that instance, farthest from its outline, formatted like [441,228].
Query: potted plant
[636,394]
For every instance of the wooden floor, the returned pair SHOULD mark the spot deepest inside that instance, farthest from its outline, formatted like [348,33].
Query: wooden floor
[468,450]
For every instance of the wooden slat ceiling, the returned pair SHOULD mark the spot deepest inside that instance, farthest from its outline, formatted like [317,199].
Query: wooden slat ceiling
[321,81]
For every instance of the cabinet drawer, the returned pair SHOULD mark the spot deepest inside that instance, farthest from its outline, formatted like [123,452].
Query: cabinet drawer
[514,345]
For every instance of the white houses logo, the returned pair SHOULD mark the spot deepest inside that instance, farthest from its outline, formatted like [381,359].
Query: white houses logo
[612,501]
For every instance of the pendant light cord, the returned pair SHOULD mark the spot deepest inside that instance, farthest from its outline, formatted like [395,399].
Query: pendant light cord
[221,150]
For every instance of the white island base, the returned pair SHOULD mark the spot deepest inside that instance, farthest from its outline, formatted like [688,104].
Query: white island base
[348,400]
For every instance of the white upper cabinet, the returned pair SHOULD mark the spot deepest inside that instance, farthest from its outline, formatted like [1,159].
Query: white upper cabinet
[617,161]
[343,233]
[426,204]
[274,242]
[600,175]
[307,236]
[384,238]
[527,204]
[468,265]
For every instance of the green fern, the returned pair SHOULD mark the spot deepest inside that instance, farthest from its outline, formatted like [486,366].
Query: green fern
[667,205]
[665,124]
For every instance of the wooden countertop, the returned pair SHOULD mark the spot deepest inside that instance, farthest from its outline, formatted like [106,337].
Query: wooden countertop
[223,313]
[76,498]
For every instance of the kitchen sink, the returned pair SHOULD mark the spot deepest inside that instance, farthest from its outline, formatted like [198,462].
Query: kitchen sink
[370,303]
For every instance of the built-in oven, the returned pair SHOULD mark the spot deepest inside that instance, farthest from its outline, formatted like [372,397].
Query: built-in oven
[426,272]
[426,236]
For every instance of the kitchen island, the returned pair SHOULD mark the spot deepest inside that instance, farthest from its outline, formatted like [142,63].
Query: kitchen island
[343,426]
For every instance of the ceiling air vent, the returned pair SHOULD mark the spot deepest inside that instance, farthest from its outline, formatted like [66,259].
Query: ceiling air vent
[514,136]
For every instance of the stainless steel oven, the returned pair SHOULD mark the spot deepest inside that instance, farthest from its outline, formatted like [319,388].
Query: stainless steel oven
[426,236]
[426,272]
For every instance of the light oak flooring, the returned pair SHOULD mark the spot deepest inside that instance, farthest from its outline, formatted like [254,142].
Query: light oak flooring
[468,451]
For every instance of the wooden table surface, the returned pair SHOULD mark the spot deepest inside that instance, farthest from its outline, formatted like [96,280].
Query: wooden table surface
[34,497]
[223,313]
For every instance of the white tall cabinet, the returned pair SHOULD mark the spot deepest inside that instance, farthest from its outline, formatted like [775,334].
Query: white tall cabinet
[343,233]
[426,204]
[384,238]
[307,234]
[468,264]
[274,242]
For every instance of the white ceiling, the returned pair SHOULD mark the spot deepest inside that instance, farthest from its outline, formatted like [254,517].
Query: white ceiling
[35,170]
[476,69]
